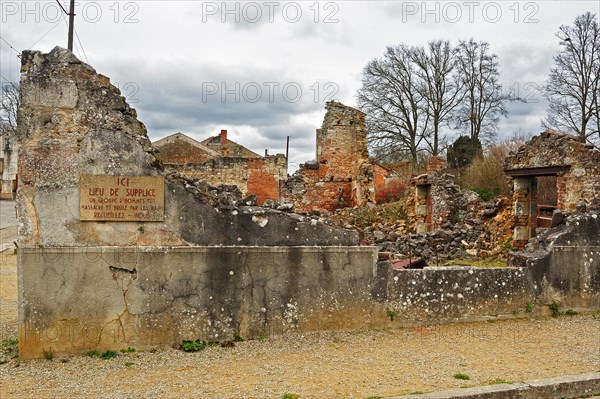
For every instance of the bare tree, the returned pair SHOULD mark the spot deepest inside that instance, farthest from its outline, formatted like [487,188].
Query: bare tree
[573,86]
[391,96]
[441,86]
[9,103]
[483,103]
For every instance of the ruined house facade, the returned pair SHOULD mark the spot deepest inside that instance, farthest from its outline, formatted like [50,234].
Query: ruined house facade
[8,167]
[219,160]
[552,171]
[342,175]
[439,200]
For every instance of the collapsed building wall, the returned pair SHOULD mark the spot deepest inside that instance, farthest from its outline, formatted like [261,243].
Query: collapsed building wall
[262,176]
[218,160]
[342,175]
[114,252]
[440,201]
[565,261]
[108,239]
[575,167]
[8,166]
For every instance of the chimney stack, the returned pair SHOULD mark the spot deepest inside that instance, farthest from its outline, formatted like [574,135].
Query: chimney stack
[223,136]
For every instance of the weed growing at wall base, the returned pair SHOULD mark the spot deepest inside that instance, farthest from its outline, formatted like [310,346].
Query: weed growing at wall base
[192,346]
[391,314]
[48,354]
[108,354]
[529,308]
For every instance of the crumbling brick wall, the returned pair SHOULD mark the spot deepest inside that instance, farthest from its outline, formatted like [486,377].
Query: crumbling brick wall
[342,176]
[262,176]
[388,186]
[226,162]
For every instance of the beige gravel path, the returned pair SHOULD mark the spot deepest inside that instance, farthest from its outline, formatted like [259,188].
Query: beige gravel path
[359,364]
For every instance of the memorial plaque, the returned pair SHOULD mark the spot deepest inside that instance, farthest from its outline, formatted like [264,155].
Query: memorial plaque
[122,198]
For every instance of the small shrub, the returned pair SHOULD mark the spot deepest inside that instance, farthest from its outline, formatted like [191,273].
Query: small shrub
[48,354]
[129,349]
[461,376]
[9,342]
[554,309]
[92,353]
[9,347]
[108,354]
[262,336]
[529,308]
[570,312]
[391,314]
[237,337]
[129,364]
[141,229]
[290,396]
[507,245]
[3,361]
[192,346]
[484,194]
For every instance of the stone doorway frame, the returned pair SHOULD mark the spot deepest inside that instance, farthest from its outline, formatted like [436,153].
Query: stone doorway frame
[525,198]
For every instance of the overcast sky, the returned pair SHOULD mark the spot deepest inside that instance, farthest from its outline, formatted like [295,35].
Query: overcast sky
[263,70]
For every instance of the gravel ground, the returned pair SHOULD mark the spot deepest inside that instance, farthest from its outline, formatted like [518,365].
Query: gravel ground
[360,364]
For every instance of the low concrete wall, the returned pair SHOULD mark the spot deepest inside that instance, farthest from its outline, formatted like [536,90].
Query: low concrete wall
[75,299]
[569,386]
[443,294]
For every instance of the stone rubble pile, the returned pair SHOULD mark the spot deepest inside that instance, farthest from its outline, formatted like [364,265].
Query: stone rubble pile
[486,233]
[481,232]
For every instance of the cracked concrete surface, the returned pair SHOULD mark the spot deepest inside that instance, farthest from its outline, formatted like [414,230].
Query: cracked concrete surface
[95,298]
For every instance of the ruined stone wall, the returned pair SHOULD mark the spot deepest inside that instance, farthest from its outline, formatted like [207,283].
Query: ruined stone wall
[100,298]
[210,268]
[439,200]
[73,122]
[8,166]
[564,260]
[580,180]
[75,127]
[262,176]
[342,176]
[576,166]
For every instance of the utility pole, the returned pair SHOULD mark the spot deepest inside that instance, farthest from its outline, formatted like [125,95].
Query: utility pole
[287,153]
[71,21]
